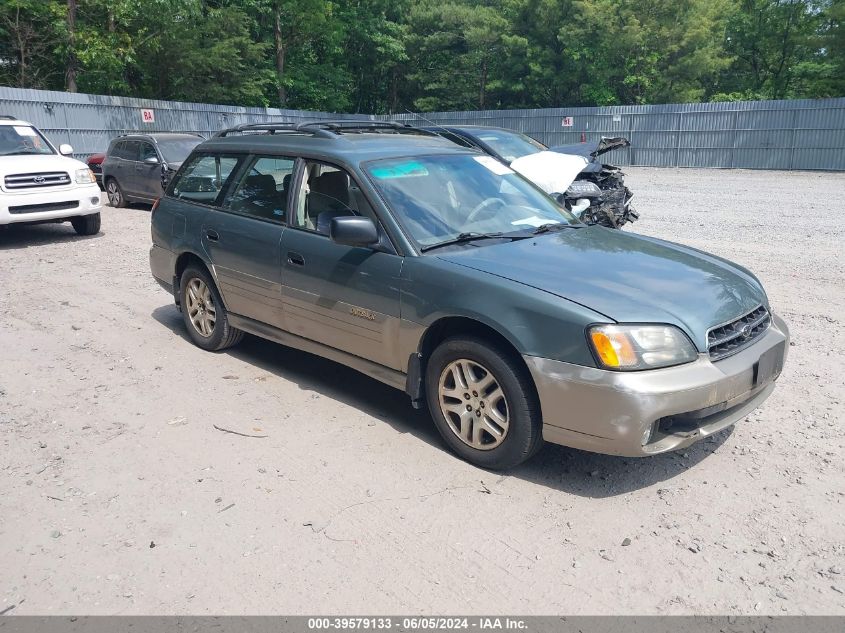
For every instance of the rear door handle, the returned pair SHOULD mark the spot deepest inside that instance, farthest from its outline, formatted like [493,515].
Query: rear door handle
[212,235]
[295,259]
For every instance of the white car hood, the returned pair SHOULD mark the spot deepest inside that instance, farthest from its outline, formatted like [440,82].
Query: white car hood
[37,163]
[550,171]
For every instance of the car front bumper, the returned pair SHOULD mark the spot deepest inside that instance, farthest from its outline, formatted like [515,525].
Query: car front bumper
[650,412]
[45,206]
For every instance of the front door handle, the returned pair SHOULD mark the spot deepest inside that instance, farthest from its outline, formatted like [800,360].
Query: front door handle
[295,259]
[212,235]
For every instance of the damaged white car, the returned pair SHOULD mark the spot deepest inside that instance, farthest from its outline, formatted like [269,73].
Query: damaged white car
[593,191]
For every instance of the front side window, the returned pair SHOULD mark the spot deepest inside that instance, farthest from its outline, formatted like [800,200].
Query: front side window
[18,140]
[204,177]
[442,197]
[263,189]
[129,150]
[327,192]
[147,151]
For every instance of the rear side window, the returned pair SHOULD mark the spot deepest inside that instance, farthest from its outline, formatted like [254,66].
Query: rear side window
[203,177]
[263,188]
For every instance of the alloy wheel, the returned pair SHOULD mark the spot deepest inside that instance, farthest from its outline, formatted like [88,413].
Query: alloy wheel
[473,403]
[200,307]
[113,193]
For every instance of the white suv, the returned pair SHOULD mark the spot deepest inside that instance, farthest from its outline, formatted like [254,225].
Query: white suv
[41,184]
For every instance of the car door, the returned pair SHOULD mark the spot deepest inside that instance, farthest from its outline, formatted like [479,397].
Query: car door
[243,238]
[344,297]
[119,164]
[126,176]
[148,174]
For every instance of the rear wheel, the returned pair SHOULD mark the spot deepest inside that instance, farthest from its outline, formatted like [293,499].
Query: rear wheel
[483,403]
[115,193]
[86,224]
[203,312]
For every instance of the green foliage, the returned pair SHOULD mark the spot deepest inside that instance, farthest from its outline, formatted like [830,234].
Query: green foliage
[392,55]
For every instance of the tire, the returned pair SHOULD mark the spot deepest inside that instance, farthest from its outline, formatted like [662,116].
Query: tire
[477,361]
[114,193]
[86,224]
[208,326]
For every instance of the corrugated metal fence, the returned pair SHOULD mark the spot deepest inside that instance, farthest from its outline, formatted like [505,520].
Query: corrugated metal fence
[799,134]
[89,122]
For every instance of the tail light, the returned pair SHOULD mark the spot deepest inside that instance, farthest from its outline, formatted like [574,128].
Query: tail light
[154,207]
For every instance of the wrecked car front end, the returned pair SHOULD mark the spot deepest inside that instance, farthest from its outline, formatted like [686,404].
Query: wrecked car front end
[599,194]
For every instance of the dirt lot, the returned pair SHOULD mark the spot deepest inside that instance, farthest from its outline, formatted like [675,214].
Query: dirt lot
[118,496]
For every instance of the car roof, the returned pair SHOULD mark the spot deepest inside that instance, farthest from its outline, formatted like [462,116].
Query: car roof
[352,148]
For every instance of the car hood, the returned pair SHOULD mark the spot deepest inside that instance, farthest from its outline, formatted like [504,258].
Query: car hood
[550,171]
[592,149]
[624,276]
[45,162]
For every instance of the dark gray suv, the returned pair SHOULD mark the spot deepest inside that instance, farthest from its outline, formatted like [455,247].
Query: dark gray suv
[440,271]
[137,167]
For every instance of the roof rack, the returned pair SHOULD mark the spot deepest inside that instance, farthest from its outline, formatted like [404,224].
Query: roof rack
[325,129]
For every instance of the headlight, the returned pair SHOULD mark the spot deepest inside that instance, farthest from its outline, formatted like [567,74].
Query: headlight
[631,347]
[583,189]
[84,176]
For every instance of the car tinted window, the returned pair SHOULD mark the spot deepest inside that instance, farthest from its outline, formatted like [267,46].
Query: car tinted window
[204,177]
[129,150]
[148,151]
[263,188]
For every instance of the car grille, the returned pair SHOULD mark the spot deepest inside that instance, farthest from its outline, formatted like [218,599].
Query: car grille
[47,206]
[731,337]
[43,179]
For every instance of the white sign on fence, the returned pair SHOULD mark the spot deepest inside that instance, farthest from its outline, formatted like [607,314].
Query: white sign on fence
[148,116]
[568,121]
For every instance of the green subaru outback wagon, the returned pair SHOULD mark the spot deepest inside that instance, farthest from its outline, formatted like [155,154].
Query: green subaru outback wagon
[440,271]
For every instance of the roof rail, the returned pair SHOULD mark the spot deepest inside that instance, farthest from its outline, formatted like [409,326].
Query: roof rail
[272,128]
[364,126]
[324,129]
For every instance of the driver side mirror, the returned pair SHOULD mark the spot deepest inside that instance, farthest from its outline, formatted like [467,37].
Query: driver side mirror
[65,149]
[151,160]
[353,231]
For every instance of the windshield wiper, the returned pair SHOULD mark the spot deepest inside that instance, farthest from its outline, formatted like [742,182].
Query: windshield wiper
[20,153]
[553,226]
[471,236]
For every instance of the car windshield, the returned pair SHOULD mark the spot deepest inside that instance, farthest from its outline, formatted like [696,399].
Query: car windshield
[510,145]
[443,197]
[177,150]
[22,139]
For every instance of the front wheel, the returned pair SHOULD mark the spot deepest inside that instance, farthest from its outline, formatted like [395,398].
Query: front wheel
[86,224]
[203,311]
[483,403]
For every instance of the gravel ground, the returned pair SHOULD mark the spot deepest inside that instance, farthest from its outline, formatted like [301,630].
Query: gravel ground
[118,496]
